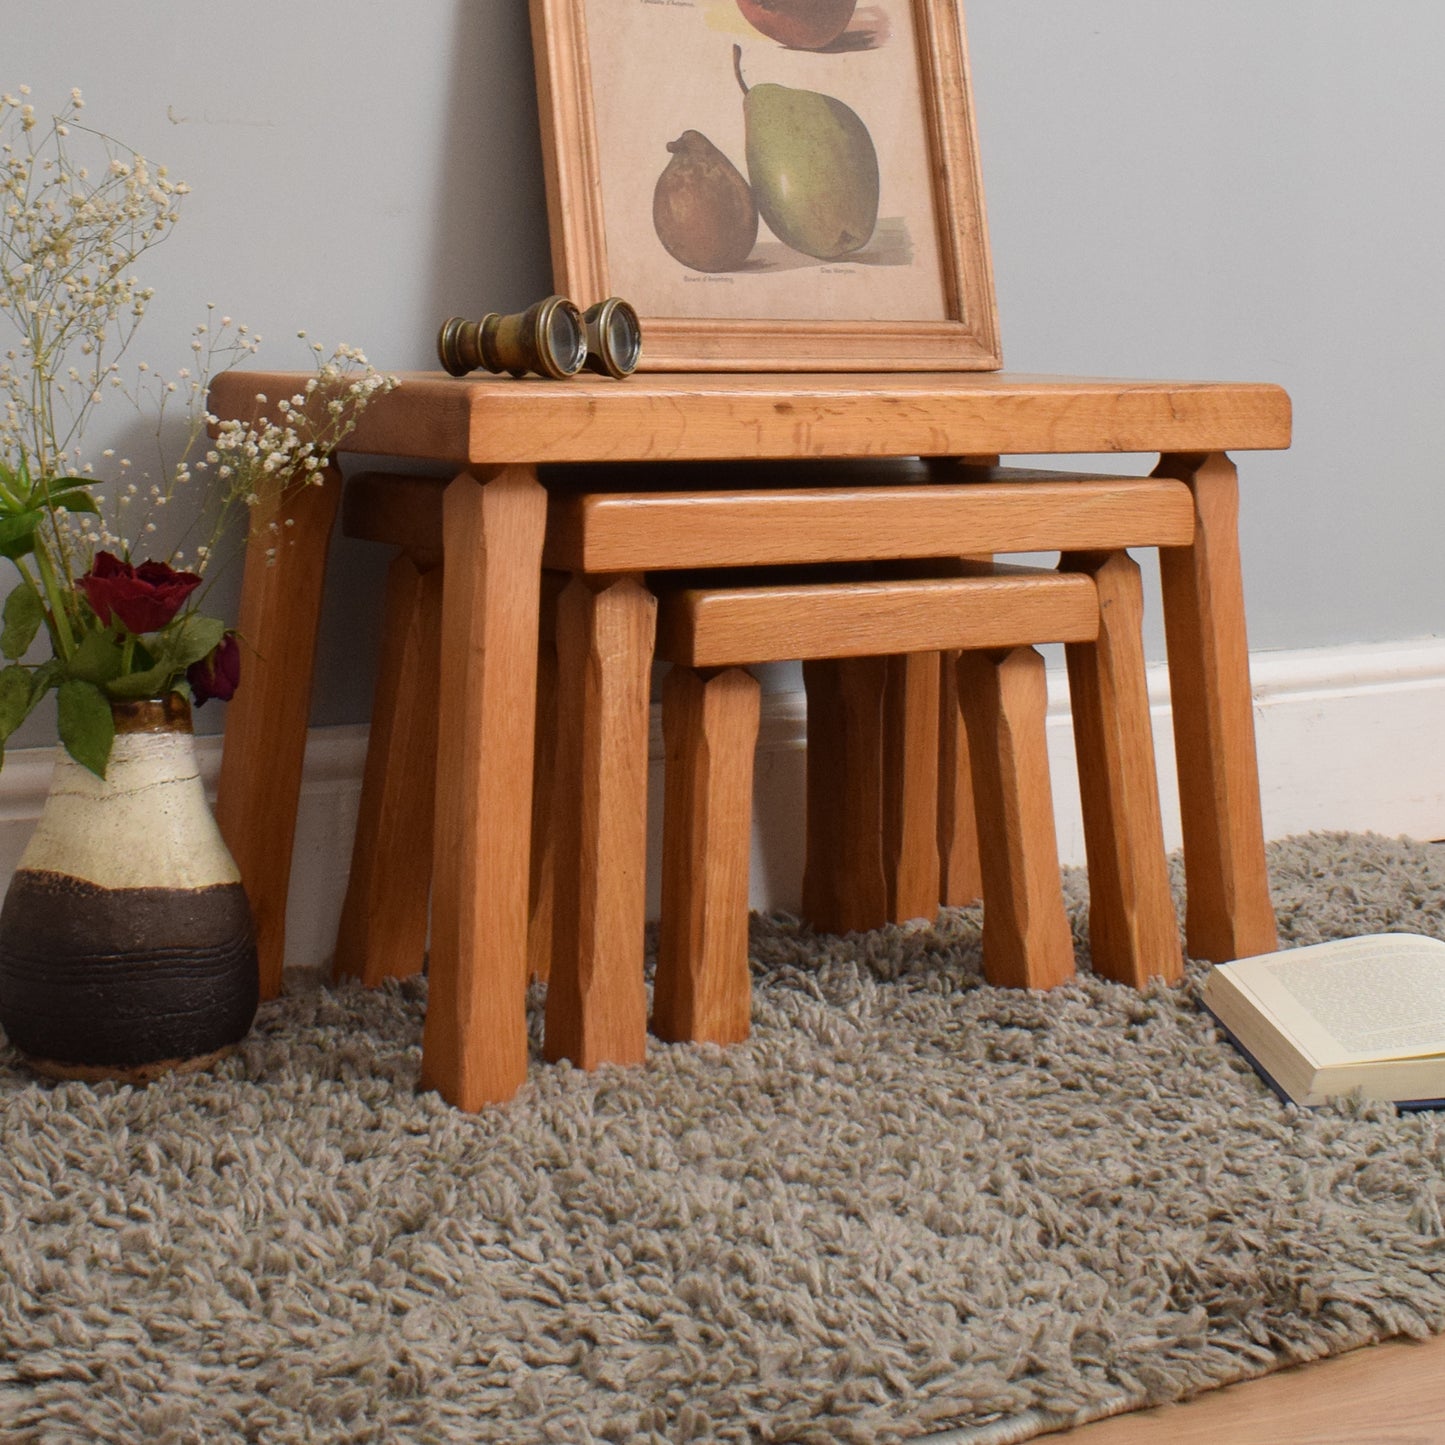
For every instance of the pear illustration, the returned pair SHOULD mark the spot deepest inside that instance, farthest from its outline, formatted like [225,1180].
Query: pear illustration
[800,24]
[813,168]
[702,208]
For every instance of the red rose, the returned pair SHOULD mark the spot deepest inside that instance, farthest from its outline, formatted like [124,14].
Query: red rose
[144,598]
[218,673]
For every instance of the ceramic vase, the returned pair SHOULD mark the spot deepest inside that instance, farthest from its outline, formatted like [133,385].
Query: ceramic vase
[126,942]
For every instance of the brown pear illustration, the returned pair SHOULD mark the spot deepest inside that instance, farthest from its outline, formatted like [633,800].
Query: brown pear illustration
[702,208]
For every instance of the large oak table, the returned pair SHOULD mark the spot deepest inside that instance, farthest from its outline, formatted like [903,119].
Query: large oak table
[496,432]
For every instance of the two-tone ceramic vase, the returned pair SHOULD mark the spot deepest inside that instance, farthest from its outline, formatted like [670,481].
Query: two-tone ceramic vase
[126,942]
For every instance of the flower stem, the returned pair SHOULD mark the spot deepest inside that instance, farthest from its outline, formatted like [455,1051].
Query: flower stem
[60,621]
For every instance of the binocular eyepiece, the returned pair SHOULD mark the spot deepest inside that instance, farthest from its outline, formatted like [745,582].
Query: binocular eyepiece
[552,338]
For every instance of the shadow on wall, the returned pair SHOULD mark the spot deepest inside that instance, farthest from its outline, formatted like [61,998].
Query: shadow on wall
[487,242]
[482,247]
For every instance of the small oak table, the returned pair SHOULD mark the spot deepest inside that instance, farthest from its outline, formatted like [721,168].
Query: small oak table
[497,431]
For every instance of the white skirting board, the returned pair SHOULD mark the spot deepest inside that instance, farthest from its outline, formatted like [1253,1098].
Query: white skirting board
[1350,739]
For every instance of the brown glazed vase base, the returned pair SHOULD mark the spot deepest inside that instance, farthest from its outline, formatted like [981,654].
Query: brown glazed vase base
[127,947]
[139,1074]
[124,979]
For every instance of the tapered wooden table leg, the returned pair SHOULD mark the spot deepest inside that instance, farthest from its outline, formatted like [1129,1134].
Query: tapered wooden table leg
[710,730]
[384,918]
[910,785]
[844,885]
[474,1047]
[1133,932]
[596,996]
[1026,937]
[959,878]
[265,741]
[542,889]
[1228,912]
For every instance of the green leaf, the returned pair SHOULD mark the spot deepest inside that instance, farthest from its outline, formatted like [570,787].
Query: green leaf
[99,657]
[175,649]
[71,502]
[86,726]
[193,638]
[16,699]
[23,613]
[50,673]
[15,485]
[52,490]
[150,683]
[17,533]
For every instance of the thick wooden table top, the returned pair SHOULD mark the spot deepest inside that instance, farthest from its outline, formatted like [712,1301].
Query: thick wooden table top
[492,420]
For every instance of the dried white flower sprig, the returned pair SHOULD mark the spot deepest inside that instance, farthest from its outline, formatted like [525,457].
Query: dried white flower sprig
[77,210]
[248,457]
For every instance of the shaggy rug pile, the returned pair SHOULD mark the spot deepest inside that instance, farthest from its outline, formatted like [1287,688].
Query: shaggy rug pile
[911,1204]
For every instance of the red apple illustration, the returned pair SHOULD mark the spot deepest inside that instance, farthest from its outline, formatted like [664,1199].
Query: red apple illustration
[801,24]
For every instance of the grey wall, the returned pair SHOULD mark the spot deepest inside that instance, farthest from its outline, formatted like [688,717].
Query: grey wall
[359,168]
[1237,189]
[1207,190]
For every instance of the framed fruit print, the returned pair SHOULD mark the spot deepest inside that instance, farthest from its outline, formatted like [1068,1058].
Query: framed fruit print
[775,185]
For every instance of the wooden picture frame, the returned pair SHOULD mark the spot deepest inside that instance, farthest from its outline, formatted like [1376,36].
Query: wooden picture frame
[917,295]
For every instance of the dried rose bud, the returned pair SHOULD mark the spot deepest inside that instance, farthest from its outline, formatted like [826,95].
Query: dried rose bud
[218,673]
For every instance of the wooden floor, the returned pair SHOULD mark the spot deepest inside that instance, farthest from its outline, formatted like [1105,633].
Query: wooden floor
[1390,1394]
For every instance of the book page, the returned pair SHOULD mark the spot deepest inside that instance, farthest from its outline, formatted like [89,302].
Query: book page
[1355,999]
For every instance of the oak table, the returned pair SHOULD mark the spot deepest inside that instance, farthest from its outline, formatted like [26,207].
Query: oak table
[497,431]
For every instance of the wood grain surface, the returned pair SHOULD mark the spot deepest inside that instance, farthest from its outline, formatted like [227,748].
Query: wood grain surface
[710,729]
[1388,1394]
[489,419]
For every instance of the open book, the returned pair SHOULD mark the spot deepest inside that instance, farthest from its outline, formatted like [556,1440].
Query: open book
[1357,1013]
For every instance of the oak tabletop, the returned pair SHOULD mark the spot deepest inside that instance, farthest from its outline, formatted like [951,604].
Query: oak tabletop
[488,420]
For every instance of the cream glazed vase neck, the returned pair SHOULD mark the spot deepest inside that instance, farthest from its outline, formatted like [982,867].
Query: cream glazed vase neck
[126,944]
[146,824]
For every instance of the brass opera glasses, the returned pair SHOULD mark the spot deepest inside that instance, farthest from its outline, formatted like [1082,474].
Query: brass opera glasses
[614,338]
[552,338]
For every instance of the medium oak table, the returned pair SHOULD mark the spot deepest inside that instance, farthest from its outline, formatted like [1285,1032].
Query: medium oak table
[496,432]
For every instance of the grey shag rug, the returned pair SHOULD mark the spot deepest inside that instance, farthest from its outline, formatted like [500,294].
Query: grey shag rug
[911,1204]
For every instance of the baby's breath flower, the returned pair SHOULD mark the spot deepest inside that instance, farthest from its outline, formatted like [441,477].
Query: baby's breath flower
[70,237]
